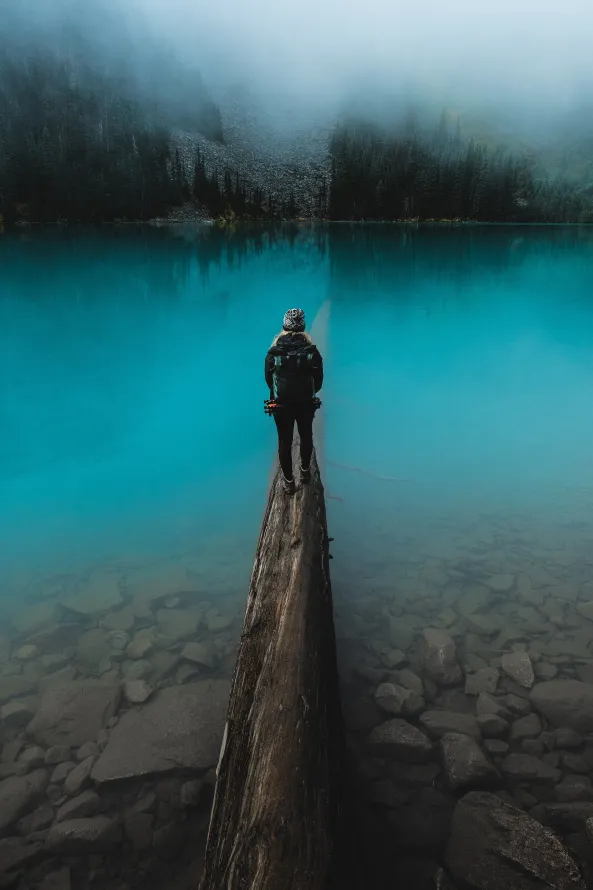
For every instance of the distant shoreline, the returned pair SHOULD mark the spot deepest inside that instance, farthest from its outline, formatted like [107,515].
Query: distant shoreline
[165,222]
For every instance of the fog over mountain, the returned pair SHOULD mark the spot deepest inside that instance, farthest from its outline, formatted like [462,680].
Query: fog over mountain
[258,87]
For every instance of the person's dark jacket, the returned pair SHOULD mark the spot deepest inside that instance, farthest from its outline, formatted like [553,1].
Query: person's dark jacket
[283,345]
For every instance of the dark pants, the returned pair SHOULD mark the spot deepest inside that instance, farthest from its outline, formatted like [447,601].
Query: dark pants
[285,418]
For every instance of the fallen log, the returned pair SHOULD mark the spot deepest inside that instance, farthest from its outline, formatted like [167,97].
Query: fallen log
[276,815]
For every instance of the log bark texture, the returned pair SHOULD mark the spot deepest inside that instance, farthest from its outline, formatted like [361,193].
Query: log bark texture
[275,821]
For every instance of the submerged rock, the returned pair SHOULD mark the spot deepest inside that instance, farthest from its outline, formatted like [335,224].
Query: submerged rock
[18,794]
[181,727]
[494,845]
[137,691]
[565,703]
[96,596]
[438,723]
[439,657]
[394,699]
[74,713]
[399,740]
[466,765]
[484,680]
[97,835]
[519,668]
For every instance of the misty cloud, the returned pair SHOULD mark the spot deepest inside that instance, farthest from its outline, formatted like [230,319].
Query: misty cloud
[512,50]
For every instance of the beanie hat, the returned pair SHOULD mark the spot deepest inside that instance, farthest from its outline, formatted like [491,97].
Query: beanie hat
[294,320]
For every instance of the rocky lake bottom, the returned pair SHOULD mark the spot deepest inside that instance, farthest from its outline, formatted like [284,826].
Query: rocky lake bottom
[466,663]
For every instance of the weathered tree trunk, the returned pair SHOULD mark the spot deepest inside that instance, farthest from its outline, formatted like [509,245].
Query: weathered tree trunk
[276,810]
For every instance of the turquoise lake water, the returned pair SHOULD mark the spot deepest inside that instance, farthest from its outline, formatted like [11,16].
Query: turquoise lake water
[459,386]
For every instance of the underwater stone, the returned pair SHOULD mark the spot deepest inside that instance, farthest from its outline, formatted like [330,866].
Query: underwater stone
[439,657]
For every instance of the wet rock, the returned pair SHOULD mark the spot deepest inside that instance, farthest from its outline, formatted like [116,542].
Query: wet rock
[533,746]
[55,795]
[495,747]
[395,699]
[409,680]
[80,836]
[191,793]
[137,670]
[93,648]
[402,633]
[11,750]
[439,657]
[32,758]
[96,596]
[399,740]
[16,714]
[215,622]
[74,713]
[526,768]
[565,703]
[61,772]
[518,666]
[589,829]
[199,653]
[122,620]
[545,671]
[491,726]
[58,638]
[413,775]
[57,880]
[33,618]
[118,640]
[438,723]
[27,653]
[517,705]
[569,816]
[484,680]
[89,749]
[574,788]
[164,665]
[394,658]
[15,687]
[57,754]
[528,727]
[574,763]
[490,704]
[494,845]
[85,804]
[465,764]
[564,737]
[15,855]
[142,644]
[154,582]
[77,779]
[180,727]
[57,678]
[137,691]
[500,583]
[178,624]
[20,793]
[187,673]
[38,820]
[483,625]
[138,829]
[51,663]
[474,662]
[586,610]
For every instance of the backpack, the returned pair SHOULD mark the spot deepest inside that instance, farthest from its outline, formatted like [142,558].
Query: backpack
[292,375]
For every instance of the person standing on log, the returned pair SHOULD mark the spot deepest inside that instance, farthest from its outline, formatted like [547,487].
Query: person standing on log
[294,374]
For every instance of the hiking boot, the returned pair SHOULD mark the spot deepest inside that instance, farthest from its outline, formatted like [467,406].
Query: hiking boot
[288,485]
[305,474]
